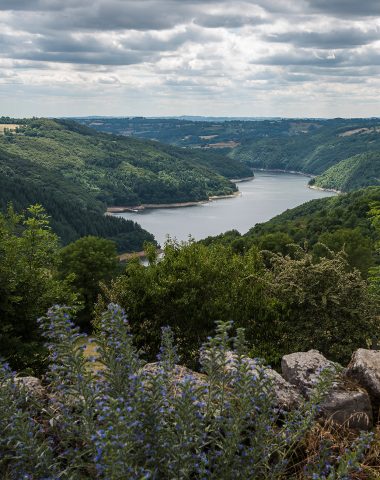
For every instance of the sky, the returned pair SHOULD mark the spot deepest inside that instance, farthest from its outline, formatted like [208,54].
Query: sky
[283,58]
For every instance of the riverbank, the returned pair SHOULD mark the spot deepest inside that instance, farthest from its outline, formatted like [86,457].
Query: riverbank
[154,206]
[278,170]
[321,189]
[240,180]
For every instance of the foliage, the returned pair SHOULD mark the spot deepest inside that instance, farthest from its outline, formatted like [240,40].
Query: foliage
[97,426]
[92,260]
[360,171]
[188,289]
[316,150]
[75,212]
[28,283]
[113,170]
[322,306]
[285,303]
[374,272]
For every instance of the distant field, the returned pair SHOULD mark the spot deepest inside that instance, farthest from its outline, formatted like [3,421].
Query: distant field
[10,126]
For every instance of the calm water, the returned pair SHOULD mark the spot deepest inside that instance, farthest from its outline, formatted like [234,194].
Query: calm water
[261,199]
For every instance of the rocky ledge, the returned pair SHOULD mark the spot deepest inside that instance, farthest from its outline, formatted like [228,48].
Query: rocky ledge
[353,399]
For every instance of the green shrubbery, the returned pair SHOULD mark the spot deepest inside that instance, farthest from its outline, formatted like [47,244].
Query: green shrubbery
[285,303]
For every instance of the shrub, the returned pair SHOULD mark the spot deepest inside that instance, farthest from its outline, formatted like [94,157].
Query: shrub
[124,421]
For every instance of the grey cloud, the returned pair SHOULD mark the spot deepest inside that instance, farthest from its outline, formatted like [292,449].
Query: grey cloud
[40,5]
[228,21]
[103,58]
[346,7]
[303,57]
[127,14]
[90,49]
[336,39]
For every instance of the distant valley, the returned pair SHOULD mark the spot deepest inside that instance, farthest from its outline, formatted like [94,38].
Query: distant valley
[312,146]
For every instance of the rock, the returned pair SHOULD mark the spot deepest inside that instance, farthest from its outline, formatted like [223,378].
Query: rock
[364,368]
[32,387]
[286,395]
[302,369]
[349,405]
[346,403]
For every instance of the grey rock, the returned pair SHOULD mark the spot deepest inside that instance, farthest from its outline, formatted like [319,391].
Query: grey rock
[349,405]
[364,368]
[302,369]
[286,395]
[346,403]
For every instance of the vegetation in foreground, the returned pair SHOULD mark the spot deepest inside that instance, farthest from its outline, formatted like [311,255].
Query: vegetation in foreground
[124,421]
[119,420]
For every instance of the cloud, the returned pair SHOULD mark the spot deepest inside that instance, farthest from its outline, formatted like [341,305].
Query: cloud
[339,38]
[343,8]
[163,55]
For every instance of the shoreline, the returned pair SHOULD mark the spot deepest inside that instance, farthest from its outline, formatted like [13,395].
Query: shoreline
[154,206]
[321,189]
[279,170]
[241,180]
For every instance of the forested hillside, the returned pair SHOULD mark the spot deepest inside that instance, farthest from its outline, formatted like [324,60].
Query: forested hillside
[307,145]
[352,173]
[75,172]
[314,151]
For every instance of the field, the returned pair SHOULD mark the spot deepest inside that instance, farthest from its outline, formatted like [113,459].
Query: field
[9,126]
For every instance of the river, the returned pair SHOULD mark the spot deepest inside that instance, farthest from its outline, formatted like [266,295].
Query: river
[262,198]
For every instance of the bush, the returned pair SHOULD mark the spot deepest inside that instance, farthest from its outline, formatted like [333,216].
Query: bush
[122,421]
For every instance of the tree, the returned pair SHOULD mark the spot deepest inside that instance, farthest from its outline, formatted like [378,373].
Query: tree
[28,284]
[191,288]
[92,260]
[321,305]
[358,248]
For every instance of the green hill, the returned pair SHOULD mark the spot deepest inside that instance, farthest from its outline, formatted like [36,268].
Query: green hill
[352,173]
[307,145]
[314,151]
[75,173]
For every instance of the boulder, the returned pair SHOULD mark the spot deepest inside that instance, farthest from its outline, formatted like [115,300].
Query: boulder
[364,368]
[346,403]
[286,395]
[349,405]
[302,369]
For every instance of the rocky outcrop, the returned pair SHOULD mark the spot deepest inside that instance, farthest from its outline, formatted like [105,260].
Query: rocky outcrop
[353,399]
[346,403]
[364,368]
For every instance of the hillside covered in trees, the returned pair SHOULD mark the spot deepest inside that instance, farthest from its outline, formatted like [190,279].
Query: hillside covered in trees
[312,146]
[75,173]
[359,171]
